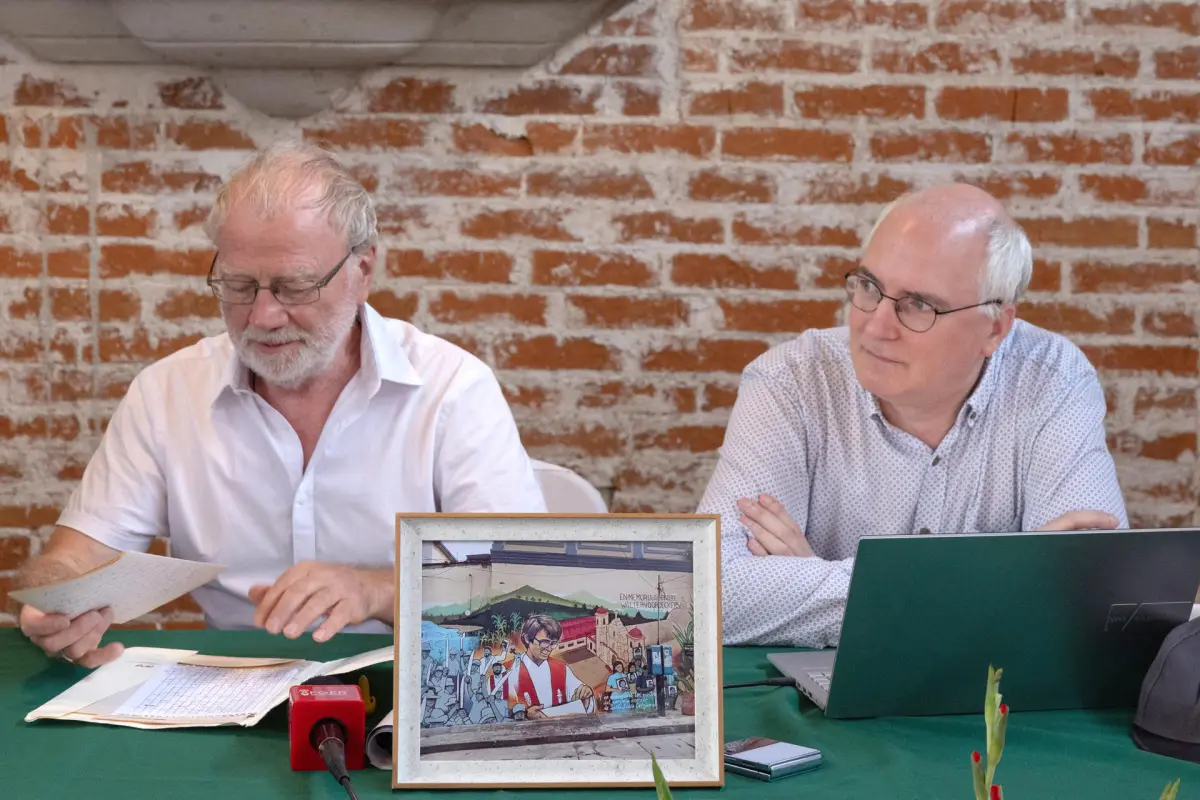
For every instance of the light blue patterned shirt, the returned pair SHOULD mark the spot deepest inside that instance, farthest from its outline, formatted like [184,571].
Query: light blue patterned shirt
[1027,446]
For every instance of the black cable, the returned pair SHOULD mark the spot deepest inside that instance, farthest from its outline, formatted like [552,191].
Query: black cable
[329,737]
[784,681]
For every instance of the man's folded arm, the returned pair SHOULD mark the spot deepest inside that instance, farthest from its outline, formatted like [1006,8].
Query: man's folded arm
[1070,467]
[781,600]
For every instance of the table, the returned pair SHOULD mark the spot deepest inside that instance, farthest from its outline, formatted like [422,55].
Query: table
[1048,755]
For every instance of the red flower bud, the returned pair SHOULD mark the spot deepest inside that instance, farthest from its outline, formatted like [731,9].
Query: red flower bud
[975,757]
[1003,708]
[995,794]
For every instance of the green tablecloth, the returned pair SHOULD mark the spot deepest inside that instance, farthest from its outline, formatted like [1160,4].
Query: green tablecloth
[1048,755]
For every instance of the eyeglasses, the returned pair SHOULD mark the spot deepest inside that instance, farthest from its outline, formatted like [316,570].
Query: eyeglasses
[546,644]
[243,291]
[914,313]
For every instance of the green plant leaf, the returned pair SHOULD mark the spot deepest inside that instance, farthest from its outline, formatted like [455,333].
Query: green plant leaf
[660,783]
[981,792]
[1171,790]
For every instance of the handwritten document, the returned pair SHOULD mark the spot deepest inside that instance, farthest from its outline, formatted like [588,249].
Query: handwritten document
[186,691]
[132,584]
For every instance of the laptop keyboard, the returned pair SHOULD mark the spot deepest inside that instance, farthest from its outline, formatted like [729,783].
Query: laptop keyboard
[822,678]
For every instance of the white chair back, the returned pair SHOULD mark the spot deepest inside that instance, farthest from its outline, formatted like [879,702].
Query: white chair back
[567,492]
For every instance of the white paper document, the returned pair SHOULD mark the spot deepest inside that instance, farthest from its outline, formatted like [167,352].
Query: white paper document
[132,584]
[379,743]
[186,691]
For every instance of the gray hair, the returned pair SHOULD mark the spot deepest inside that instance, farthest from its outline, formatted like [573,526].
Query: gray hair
[293,174]
[1009,266]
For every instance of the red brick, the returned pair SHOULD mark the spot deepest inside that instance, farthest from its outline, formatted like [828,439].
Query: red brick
[1009,105]
[544,97]
[533,397]
[400,220]
[185,303]
[1169,447]
[1113,188]
[65,132]
[191,217]
[732,186]
[396,306]
[417,182]
[1047,276]
[16,263]
[779,316]
[31,516]
[198,94]
[1169,323]
[549,352]
[838,187]
[776,232]
[140,345]
[1000,16]
[65,220]
[789,55]
[541,138]
[208,135]
[753,15]
[764,99]
[1147,106]
[1183,151]
[412,96]
[622,311]
[638,100]
[1162,398]
[568,182]
[542,224]
[1164,360]
[719,271]
[692,438]
[113,219]
[66,263]
[666,227]
[1179,17]
[1095,276]
[707,355]
[1069,148]
[1169,234]
[932,146]
[590,440]
[33,91]
[1182,64]
[472,267]
[1070,318]
[16,178]
[28,307]
[612,58]
[369,134]
[1106,61]
[700,56]
[1087,232]
[938,58]
[63,427]
[1010,185]
[142,177]
[69,303]
[847,14]
[119,260]
[551,268]
[15,347]
[527,309]
[630,21]
[788,144]
[876,102]
[719,396]
[687,139]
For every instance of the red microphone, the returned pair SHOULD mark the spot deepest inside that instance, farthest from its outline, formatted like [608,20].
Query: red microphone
[327,725]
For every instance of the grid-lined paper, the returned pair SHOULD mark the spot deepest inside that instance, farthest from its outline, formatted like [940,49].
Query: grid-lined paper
[183,690]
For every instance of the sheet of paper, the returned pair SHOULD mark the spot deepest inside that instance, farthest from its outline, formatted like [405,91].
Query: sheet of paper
[132,585]
[129,671]
[186,691]
[573,707]
[379,743]
[360,661]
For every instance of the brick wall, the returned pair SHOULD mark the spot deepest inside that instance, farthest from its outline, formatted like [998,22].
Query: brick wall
[621,230]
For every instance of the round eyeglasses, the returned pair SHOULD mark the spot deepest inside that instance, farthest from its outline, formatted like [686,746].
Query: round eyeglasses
[914,313]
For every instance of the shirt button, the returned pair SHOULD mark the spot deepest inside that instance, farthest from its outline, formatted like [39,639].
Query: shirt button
[923,531]
[936,459]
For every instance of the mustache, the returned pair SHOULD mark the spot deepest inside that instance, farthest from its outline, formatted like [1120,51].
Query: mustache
[280,336]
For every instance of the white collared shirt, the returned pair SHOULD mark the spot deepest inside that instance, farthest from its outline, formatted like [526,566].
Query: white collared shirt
[194,454]
[1028,446]
[540,675]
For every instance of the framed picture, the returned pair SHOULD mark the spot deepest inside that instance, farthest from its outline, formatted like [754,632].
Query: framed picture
[567,648]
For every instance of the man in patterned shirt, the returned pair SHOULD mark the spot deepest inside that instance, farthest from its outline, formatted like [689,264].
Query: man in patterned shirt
[933,411]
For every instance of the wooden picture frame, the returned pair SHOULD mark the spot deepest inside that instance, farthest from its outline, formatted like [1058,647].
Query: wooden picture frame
[581,608]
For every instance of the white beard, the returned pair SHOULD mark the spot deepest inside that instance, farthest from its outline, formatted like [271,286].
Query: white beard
[297,365]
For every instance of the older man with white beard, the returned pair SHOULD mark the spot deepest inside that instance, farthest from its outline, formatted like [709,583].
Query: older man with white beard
[284,447]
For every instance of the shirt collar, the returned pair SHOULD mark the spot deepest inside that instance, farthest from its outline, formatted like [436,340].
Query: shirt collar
[380,362]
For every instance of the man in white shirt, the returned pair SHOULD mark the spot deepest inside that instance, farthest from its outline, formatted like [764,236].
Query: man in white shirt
[538,681]
[284,448]
[933,411]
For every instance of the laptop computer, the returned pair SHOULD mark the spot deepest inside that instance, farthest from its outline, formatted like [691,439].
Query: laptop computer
[1073,618]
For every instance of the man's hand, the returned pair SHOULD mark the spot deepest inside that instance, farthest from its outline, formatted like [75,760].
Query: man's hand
[76,640]
[775,533]
[535,712]
[582,693]
[310,590]
[1082,521]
